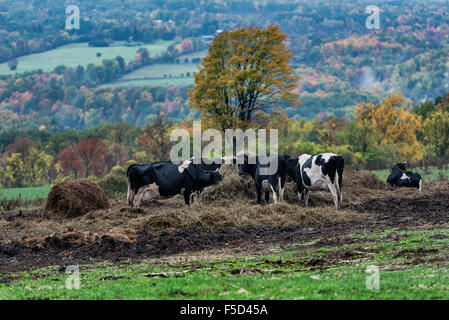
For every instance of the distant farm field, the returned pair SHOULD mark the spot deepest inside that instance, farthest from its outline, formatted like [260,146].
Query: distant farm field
[159,74]
[430,174]
[25,193]
[174,74]
[75,54]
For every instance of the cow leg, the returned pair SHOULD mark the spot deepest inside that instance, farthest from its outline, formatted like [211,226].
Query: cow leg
[267,197]
[259,194]
[333,191]
[133,196]
[299,188]
[281,188]
[306,197]
[187,194]
[275,200]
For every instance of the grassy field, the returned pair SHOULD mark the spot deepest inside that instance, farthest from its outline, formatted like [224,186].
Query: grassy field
[432,173]
[162,74]
[25,193]
[410,267]
[158,74]
[75,54]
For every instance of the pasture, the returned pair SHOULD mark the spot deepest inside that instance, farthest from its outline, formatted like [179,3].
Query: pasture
[25,193]
[430,173]
[75,54]
[227,247]
[173,74]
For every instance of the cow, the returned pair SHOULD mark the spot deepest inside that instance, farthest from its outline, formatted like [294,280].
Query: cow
[206,165]
[165,179]
[400,177]
[274,182]
[317,172]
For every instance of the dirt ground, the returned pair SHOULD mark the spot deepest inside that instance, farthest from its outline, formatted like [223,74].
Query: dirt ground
[165,228]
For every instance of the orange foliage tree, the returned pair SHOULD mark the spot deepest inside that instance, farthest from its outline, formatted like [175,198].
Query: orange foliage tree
[394,124]
[246,73]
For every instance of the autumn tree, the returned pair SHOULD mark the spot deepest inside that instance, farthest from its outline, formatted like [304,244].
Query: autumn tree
[393,123]
[155,142]
[87,158]
[70,163]
[24,165]
[246,73]
[436,133]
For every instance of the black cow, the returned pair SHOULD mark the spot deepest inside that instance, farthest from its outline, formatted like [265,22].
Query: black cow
[165,179]
[266,182]
[400,177]
[317,172]
[206,165]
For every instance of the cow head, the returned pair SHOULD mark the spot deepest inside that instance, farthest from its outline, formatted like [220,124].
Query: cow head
[248,166]
[209,178]
[401,166]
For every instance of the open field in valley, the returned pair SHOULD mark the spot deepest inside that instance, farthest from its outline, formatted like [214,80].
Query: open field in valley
[75,54]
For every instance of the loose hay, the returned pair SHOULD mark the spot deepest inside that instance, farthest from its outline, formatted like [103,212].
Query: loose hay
[75,198]
[232,186]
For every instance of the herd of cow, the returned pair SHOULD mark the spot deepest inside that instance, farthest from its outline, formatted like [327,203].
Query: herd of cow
[309,173]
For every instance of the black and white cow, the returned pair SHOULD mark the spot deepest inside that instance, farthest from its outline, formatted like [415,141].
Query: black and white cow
[400,177]
[317,172]
[267,183]
[165,179]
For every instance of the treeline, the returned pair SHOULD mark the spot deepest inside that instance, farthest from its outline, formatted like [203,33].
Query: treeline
[380,135]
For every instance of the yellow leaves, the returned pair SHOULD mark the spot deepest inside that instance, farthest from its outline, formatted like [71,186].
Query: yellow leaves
[246,72]
[436,132]
[394,123]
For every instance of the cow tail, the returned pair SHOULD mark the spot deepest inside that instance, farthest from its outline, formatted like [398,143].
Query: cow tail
[128,173]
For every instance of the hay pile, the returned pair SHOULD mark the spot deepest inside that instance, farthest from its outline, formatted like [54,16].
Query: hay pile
[75,198]
[232,187]
[355,180]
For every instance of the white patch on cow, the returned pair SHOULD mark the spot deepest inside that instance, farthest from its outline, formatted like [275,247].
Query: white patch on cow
[146,193]
[299,196]
[404,176]
[184,165]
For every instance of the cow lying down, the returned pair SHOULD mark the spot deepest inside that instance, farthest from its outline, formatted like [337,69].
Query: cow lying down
[165,179]
[400,177]
[317,172]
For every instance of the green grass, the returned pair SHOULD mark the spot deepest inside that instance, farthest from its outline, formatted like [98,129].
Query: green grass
[75,54]
[432,174]
[283,275]
[26,193]
[158,75]
[159,70]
